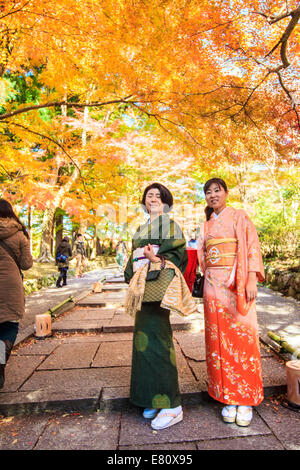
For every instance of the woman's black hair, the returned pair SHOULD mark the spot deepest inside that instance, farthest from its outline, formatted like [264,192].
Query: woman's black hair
[165,195]
[209,210]
[7,212]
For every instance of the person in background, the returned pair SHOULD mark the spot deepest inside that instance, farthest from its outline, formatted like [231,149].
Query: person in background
[230,258]
[80,254]
[15,255]
[191,269]
[62,256]
[193,242]
[121,252]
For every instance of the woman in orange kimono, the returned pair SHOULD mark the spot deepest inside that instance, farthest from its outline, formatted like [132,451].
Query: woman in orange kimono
[229,256]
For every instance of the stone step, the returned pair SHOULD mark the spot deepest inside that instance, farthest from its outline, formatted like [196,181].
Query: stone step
[103,299]
[88,371]
[111,320]
[119,325]
[116,280]
[115,287]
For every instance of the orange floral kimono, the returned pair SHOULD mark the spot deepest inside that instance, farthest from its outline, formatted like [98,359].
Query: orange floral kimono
[228,250]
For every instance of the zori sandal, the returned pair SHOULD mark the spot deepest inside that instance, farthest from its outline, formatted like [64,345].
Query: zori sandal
[165,419]
[244,415]
[229,413]
[150,413]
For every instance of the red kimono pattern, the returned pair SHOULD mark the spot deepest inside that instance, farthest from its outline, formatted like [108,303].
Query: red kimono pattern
[231,332]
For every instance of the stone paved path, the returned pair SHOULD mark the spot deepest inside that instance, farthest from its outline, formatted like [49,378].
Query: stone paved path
[274,427]
[71,391]
[48,297]
[278,314]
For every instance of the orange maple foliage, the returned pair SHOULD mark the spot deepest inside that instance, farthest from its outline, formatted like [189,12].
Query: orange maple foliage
[208,75]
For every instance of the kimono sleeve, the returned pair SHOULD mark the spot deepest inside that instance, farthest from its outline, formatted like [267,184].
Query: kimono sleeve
[201,249]
[128,272]
[255,262]
[173,246]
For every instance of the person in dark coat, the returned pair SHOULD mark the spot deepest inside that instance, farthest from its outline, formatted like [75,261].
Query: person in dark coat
[62,256]
[13,236]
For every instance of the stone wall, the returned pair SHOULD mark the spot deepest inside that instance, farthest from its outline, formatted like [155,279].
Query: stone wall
[286,281]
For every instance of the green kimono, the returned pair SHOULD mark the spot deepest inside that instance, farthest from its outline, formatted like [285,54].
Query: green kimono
[154,377]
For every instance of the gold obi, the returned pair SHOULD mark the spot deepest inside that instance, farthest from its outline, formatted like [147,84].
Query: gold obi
[221,252]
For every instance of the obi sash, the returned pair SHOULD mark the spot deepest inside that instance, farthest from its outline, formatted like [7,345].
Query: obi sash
[221,252]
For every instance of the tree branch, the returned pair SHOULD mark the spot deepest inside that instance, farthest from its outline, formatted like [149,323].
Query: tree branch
[8,174]
[288,93]
[284,13]
[295,14]
[62,103]
[176,124]
[43,136]
[15,11]
[213,27]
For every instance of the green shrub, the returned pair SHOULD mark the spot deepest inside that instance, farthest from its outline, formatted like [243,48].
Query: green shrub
[278,231]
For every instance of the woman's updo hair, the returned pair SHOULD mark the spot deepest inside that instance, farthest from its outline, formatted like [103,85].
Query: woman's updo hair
[165,195]
[209,210]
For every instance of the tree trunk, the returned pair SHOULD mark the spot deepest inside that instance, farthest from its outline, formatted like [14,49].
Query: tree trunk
[59,227]
[74,232]
[94,246]
[241,174]
[82,227]
[29,222]
[295,205]
[98,247]
[45,255]
[52,235]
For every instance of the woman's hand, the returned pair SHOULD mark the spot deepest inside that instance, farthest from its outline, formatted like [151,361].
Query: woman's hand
[251,287]
[149,253]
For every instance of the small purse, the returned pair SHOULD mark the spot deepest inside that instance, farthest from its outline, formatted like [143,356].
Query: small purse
[157,283]
[152,275]
[198,286]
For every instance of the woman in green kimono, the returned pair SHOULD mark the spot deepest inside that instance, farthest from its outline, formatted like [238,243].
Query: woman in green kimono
[154,377]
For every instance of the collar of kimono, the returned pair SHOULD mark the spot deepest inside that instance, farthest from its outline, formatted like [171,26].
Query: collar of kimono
[215,215]
[146,228]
